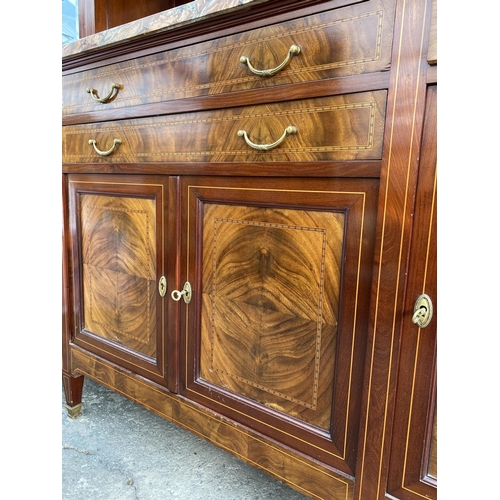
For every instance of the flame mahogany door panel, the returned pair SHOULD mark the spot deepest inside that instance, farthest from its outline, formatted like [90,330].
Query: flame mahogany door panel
[274,336]
[118,230]
[413,463]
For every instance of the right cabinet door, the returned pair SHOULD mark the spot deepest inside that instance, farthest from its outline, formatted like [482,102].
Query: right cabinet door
[413,463]
[274,335]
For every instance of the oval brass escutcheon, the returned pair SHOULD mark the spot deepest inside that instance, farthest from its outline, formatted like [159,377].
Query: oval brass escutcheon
[162,286]
[423,311]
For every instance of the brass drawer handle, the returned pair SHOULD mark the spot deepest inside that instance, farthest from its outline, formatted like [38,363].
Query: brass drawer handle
[185,294]
[294,49]
[266,147]
[109,97]
[116,142]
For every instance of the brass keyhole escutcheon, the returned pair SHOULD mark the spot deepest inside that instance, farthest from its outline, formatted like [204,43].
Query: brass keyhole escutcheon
[423,311]
[162,286]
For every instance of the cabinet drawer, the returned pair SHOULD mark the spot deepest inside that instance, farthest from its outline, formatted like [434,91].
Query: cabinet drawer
[341,42]
[347,127]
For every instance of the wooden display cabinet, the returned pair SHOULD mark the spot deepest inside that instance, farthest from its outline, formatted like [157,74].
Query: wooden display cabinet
[242,252]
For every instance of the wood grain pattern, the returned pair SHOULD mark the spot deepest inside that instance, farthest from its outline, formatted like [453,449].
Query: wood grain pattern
[305,90]
[273,269]
[405,116]
[345,127]
[172,19]
[119,270]
[413,450]
[366,427]
[308,476]
[271,290]
[118,231]
[214,67]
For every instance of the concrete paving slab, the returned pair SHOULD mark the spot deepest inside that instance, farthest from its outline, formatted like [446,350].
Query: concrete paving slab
[118,450]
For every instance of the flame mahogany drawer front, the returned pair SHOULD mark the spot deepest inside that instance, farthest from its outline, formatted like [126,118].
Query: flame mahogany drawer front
[347,127]
[345,41]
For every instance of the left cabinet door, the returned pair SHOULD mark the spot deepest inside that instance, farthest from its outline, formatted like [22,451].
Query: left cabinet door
[118,229]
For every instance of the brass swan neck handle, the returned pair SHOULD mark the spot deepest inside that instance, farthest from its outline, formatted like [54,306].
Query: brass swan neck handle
[293,50]
[116,142]
[112,94]
[266,147]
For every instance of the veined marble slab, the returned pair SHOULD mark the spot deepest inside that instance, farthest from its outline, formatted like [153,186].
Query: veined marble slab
[163,21]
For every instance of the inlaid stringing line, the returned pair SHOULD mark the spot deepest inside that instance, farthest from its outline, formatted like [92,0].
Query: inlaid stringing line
[312,405]
[251,78]
[415,364]
[107,183]
[400,257]
[396,88]
[183,424]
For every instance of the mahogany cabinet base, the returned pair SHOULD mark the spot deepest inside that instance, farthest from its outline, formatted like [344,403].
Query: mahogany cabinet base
[300,472]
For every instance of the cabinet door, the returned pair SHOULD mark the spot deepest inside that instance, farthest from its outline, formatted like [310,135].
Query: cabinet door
[274,336]
[119,227]
[413,463]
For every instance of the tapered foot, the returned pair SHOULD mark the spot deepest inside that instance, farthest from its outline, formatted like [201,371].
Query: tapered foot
[73,388]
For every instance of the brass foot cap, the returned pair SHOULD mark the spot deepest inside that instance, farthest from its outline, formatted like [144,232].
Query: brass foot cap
[74,411]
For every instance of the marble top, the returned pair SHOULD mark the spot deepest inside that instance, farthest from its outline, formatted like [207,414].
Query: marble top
[163,21]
